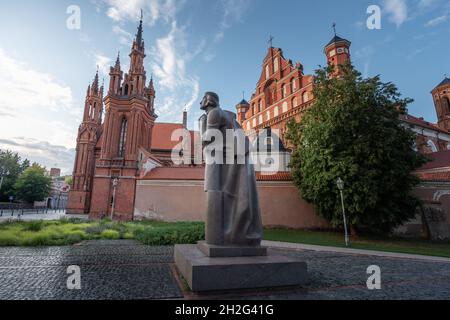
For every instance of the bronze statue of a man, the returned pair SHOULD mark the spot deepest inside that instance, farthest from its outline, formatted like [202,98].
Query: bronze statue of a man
[233,212]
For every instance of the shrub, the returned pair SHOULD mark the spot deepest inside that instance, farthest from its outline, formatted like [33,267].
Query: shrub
[110,234]
[34,226]
[171,234]
[96,229]
[75,237]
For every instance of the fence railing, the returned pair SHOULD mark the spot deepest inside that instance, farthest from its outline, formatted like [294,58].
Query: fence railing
[21,212]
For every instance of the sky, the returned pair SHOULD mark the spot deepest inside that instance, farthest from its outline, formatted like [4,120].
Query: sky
[194,46]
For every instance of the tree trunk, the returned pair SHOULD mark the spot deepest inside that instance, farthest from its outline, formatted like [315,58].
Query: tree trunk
[353,231]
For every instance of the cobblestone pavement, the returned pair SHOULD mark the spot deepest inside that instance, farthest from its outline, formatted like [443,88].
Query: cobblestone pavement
[127,270]
[109,270]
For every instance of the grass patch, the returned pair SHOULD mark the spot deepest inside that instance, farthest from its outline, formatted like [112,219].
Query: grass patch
[387,244]
[72,231]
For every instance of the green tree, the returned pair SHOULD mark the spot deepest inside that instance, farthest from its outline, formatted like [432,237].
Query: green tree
[33,184]
[353,131]
[10,168]
[69,180]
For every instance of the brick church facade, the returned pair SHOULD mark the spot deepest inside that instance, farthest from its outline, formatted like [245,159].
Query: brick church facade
[284,92]
[110,153]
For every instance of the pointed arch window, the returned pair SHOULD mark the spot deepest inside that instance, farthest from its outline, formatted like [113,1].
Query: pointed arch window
[284,90]
[276,64]
[293,85]
[447,104]
[305,96]
[123,137]
[432,146]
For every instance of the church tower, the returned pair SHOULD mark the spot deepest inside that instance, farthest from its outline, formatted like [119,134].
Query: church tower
[88,133]
[242,109]
[337,52]
[126,135]
[441,97]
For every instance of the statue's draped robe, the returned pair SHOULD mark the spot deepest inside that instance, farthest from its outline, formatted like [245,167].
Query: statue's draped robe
[233,216]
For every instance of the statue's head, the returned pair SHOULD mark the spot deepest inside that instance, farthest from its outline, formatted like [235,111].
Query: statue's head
[210,99]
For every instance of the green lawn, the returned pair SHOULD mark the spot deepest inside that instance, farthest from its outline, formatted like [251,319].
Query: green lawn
[72,231]
[412,246]
[68,232]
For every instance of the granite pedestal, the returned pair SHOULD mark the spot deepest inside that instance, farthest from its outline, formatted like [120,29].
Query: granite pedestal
[205,273]
[213,251]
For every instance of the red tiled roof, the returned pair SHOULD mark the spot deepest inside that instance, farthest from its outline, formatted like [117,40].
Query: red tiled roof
[198,174]
[440,159]
[421,122]
[162,133]
[434,176]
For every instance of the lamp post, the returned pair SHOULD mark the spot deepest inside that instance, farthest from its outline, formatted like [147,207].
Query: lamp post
[340,184]
[115,182]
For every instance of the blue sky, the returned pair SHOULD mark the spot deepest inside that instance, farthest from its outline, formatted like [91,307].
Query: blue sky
[193,46]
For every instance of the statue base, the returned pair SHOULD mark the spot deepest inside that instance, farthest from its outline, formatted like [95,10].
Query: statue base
[213,251]
[204,273]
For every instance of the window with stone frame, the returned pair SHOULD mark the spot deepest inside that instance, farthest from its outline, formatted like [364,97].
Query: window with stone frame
[305,96]
[123,137]
[293,85]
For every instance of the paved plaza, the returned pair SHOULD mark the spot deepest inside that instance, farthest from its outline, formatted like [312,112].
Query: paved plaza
[128,270]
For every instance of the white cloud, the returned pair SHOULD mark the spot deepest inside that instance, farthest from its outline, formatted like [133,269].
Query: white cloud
[233,11]
[125,38]
[34,106]
[170,57]
[41,152]
[397,11]
[123,10]
[436,21]
[22,88]
[103,63]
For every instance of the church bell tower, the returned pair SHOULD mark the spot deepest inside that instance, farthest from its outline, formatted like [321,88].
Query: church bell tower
[88,134]
[127,133]
[441,97]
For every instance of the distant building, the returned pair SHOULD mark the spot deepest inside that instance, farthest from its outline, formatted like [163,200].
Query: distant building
[55,172]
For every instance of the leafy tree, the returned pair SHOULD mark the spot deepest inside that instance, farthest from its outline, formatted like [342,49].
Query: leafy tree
[69,180]
[33,184]
[10,168]
[353,131]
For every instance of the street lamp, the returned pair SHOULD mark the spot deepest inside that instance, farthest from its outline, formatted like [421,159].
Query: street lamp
[115,182]
[340,185]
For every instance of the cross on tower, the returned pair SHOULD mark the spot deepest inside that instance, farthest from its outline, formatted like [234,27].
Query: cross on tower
[334,28]
[270,42]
